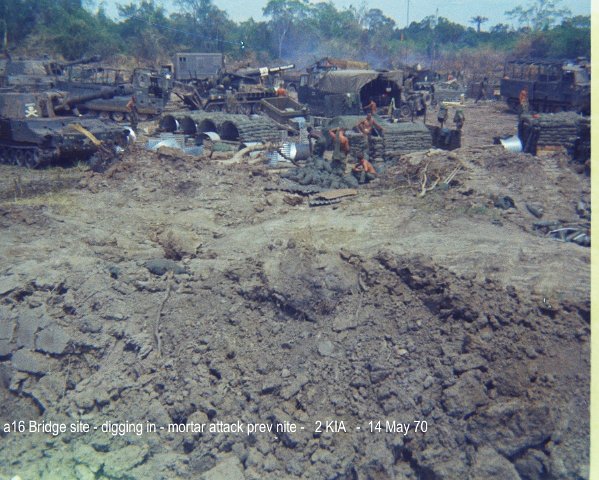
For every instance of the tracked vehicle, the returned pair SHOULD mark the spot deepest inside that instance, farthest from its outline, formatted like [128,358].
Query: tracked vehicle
[39,129]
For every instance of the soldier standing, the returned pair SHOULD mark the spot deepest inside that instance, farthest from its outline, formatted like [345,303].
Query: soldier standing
[523,98]
[133,113]
[482,94]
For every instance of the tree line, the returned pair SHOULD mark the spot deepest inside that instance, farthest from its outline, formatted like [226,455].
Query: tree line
[290,30]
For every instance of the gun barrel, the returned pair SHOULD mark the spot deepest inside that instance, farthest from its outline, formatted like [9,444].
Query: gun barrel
[281,69]
[263,71]
[83,61]
[68,102]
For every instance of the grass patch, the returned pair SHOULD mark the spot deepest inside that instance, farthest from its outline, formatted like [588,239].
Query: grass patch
[62,200]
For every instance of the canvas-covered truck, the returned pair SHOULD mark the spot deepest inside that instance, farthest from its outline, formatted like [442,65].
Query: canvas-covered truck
[552,86]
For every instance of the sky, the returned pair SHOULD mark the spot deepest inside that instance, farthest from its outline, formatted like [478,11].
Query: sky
[460,11]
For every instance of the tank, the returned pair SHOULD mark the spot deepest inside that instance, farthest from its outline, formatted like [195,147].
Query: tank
[36,130]
[35,75]
[151,91]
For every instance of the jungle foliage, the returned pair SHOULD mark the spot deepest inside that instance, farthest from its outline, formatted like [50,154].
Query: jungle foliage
[290,30]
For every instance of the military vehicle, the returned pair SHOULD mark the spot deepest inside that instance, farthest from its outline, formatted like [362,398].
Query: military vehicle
[38,129]
[234,92]
[326,64]
[552,86]
[150,88]
[346,92]
[35,75]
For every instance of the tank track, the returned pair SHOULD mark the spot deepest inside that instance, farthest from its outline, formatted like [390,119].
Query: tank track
[24,156]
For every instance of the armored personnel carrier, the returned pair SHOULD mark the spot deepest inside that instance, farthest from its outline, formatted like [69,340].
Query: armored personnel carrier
[36,130]
[551,86]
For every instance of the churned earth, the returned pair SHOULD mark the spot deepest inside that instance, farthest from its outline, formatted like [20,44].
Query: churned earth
[176,290]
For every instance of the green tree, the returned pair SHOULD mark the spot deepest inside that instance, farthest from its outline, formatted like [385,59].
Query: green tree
[478,20]
[539,14]
[142,29]
[284,15]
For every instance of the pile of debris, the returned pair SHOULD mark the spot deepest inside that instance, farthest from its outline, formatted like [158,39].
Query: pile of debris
[320,173]
[425,171]
[579,233]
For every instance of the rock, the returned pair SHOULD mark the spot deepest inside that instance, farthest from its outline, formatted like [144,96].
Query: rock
[465,396]
[28,324]
[118,463]
[439,463]
[294,387]
[428,382]
[114,271]
[344,322]
[5,348]
[53,339]
[8,284]
[84,473]
[468,361]
[326,348]
[31,362]
[86,455]
[489,464]
[533,465]
[7,327]
[5,375]
[512,426]
[504,203]
[535,209]
[531,352]
[48,390]
[159,266]
[179,243]
[227,469]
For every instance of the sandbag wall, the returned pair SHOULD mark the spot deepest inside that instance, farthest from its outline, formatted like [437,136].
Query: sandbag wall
[549,130]
[399,138]
[406,137]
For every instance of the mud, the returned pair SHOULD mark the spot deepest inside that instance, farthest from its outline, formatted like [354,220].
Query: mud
[174,290]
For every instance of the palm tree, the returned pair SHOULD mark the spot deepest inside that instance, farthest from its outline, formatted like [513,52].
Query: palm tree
[478,20]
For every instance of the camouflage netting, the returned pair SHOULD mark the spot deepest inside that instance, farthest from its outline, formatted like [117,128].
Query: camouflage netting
[319,172]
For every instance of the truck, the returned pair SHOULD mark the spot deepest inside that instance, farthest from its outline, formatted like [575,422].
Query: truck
[552,86]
